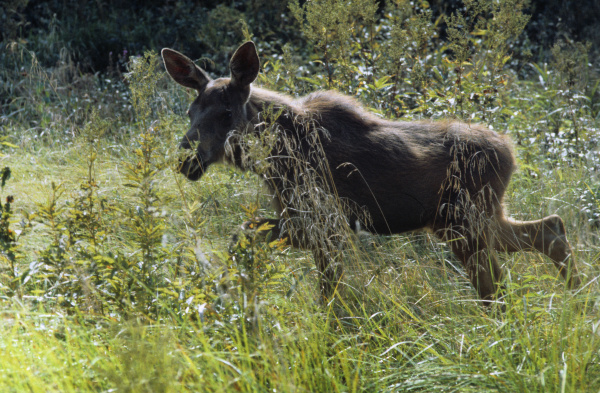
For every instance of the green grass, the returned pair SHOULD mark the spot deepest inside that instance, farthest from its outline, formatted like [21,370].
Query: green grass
[406,319]
[163,303]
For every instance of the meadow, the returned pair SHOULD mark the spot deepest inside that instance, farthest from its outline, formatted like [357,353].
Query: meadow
[119,275]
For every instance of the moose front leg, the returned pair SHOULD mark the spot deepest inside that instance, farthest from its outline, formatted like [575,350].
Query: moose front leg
[330,271]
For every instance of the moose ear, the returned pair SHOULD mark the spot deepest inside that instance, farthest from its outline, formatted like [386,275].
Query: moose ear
[244,65]
[183,70]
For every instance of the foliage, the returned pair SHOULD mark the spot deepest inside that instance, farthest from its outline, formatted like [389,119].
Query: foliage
[122,276]
[413,76]
[10,280]
[109,256]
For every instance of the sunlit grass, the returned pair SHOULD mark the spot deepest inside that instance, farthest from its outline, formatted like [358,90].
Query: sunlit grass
[405,318]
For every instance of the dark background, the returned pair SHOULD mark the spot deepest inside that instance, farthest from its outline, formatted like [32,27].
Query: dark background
[102,33]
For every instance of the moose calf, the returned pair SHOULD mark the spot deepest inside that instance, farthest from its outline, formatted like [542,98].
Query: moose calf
[448,177]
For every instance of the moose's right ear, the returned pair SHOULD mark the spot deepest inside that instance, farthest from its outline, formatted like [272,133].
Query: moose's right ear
[183,70]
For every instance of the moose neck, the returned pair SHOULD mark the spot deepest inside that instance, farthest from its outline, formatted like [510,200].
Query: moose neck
[262,99]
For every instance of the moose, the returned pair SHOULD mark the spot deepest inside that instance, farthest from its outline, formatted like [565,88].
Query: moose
[447,177]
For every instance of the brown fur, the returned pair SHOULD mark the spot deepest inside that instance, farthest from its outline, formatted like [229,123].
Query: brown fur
[448,177]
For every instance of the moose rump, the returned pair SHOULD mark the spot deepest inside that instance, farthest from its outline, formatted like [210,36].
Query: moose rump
[391,176]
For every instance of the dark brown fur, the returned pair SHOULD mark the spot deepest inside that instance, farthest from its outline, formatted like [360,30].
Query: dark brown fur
[448,177]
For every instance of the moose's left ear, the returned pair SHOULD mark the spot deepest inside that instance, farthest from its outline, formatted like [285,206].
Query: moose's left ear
[244,65]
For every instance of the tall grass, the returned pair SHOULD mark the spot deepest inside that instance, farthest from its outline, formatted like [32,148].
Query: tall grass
[127,278]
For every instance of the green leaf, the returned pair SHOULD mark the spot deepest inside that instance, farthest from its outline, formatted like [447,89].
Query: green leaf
[315,82]
[8,144]
[542,73]
[381,83]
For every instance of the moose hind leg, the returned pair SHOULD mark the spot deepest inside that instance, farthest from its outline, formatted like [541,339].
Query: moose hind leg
[547,236]
[482,268]
[481,265]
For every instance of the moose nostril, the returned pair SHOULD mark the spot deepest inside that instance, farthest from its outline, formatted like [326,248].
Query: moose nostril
[185,145]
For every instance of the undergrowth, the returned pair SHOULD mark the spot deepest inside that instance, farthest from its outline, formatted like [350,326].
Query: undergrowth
[116,274]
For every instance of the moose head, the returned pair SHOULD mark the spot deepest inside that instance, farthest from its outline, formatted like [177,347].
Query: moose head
[221,105]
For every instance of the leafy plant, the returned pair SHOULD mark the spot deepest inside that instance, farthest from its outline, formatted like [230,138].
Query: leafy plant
[10,279]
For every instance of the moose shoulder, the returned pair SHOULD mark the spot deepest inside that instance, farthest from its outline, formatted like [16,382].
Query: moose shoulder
[448,177]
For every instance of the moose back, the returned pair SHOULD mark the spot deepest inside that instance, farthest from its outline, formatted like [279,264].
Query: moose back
[447,177]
